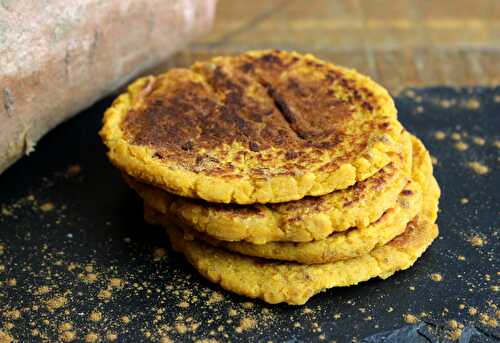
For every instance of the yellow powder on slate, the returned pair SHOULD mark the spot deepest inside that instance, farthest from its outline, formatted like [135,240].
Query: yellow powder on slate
[73,170]
[461,146]
[67,336]
[66,326]
[89,277]
[111,336]
[247,305]
[455,334]
[181,328]
[307,310]
[246,323]
[125,319]
[439,135]
[183,304]
[497,144]
[232,312]
[13,314]
[116,283]
[42,290]
[454,324]
[410,318]
[6,212]
[472,104]
[47,207]
[166,340]
[436,277]
[472,311]
[12,282]
[215,297]
[95,316]
[55,303]
[456,136]
[479,140]
[445,103]
[159,253]
[91,337]
[461,258]
[485,319]
[477,241]
[5,337]
[479,168]
[104,294]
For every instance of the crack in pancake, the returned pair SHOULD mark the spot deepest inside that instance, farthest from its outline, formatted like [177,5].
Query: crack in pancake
[260,127]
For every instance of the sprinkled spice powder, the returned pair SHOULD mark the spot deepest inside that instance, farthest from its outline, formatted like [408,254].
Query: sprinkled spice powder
[479,168]
[436,277]
[128,284]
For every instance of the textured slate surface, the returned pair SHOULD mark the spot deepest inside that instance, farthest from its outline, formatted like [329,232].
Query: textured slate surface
[96,222]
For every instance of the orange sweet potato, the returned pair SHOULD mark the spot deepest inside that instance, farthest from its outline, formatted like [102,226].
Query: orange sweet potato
[58,57]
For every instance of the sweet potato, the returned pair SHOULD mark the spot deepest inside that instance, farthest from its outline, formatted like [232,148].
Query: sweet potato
[58,57]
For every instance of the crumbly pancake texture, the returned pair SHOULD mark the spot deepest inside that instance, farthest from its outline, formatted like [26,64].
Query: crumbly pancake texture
[275,282]
[305,220]
[336,247]
[260,127]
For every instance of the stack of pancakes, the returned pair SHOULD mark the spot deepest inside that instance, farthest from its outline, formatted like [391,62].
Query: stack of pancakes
[276,174]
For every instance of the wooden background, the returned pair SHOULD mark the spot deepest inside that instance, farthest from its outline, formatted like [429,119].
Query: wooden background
[399,43]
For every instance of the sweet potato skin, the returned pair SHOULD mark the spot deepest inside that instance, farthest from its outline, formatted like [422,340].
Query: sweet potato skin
[58,57]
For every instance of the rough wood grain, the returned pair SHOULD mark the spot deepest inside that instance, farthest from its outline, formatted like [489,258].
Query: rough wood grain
[400,43]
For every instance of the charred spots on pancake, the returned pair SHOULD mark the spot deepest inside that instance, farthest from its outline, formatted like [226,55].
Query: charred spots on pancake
[158,155]
[311,203]
[231,116]
[256,117]
[294,86]
[273,61]
[407,192]
[187,146]
[383,216]
[254,147]
[283,108]
[247,67]
[334,76]
[291,155]
[384,126]
[348,203]
[378,181]
[168,122]
[205,161]
[272,58]
[221,81]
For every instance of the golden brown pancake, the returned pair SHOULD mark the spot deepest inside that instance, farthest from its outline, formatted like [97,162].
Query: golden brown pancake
[338,246]
[305,220]
[276,281]
[260,127]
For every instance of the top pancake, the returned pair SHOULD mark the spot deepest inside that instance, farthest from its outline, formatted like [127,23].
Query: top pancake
[260,127]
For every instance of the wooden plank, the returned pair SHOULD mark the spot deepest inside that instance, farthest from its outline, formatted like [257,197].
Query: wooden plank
[399,43]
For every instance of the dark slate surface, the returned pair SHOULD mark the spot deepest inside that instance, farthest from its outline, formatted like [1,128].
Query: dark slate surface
[97,221]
